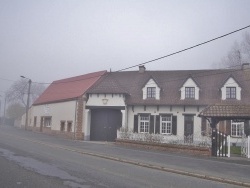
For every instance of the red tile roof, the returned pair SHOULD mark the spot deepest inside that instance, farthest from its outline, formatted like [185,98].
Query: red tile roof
[68,88]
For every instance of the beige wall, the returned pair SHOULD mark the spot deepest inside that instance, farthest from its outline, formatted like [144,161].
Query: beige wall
[106,100]
[63,111]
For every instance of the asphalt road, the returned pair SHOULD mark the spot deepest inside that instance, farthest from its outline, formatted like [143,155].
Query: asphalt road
[60,162]
[13,175]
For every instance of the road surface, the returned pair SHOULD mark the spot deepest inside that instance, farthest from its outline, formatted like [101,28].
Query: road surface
[39,160]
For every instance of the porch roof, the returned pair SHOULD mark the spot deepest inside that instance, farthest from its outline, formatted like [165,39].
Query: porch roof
[226,111]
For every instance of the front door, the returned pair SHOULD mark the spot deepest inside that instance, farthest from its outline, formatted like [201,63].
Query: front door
[188,128]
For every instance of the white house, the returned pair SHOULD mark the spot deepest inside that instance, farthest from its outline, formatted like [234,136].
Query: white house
[163,102]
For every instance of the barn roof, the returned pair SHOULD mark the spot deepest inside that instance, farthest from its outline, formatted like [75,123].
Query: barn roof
[69,88]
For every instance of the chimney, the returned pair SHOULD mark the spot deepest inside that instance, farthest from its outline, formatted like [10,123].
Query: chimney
[245,66]
[142,69]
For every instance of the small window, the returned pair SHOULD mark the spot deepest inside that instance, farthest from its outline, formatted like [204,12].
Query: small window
[35,119]
[69,126]
[189,92]
[231,92]
[62,126]
[47,121]
[151,92]
[166,124]
[237,129]
[144,124]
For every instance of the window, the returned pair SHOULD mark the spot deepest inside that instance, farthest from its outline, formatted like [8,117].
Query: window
[62,126]
[35,118]
[231,92]
[151,92]
[189,92]
[69,126]
[166,124]
[144,123]
[237,128]
[47,121]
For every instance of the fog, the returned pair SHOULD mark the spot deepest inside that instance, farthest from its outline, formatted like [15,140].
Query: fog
[48,40]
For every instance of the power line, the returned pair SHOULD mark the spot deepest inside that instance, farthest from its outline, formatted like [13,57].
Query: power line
[189,48]
[171,54]
[174,53]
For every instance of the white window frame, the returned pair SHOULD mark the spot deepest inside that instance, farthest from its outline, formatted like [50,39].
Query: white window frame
[144,123]
[166,124]
[151,92]
[189,92]
[237,129]
[231,92]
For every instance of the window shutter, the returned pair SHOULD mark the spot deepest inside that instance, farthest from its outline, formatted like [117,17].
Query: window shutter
[174,125]
[247,127]
[136,123]
[157,126]
[151,126]
[228,127]
[203,126]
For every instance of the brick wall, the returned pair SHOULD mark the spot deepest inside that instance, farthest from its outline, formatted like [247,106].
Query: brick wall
[167,147]
[48,131]
[80,117]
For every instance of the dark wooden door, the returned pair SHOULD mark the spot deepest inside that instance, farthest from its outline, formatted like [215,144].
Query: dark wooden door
[104,124]
[188,128]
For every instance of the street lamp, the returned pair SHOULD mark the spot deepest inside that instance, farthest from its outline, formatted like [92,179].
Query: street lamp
[28,103]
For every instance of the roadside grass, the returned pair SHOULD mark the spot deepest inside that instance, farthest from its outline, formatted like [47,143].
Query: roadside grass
[235,150]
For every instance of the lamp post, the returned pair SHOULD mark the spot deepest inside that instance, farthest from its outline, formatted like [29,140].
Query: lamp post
[4,110]
[0,110]
[28,103]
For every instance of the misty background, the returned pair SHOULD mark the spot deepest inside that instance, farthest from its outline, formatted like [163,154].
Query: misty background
[48,40]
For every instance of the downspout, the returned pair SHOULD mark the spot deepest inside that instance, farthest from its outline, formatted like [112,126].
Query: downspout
[84,116]
[75,121]
[126,117]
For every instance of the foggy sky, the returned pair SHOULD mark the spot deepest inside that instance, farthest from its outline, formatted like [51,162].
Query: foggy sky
[47,40]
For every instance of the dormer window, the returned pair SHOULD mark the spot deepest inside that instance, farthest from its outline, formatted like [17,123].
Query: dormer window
[231,89]
[151,92]
[231,92]
[190,89]
[189,92]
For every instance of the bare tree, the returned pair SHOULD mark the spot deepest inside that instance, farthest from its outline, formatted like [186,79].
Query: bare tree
[238,54]
[246,44]
[18,92]
[15,111]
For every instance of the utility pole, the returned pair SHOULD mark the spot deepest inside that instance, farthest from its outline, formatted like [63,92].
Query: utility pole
[27,105]
[4,110]
[0,110]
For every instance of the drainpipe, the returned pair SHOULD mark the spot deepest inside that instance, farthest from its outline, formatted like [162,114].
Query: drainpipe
[126,117]
[75,121]
[84,115]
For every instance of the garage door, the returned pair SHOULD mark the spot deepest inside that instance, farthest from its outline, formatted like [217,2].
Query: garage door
[104,124]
